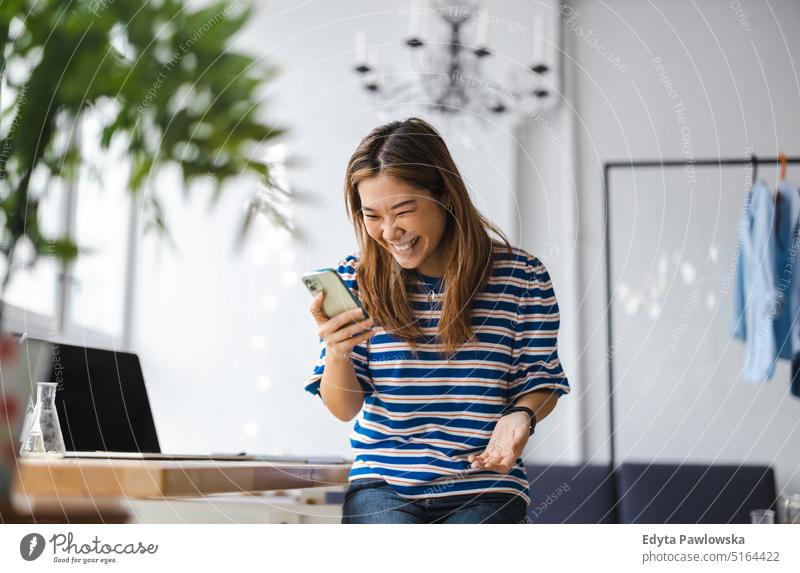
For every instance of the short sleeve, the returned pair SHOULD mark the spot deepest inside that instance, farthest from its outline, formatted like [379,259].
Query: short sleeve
[359,359]
[535,364]
[360,354]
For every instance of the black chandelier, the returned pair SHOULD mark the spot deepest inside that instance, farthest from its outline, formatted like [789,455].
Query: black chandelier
[450,73]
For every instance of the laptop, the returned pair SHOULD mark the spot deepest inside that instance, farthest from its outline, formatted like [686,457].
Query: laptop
[104,410]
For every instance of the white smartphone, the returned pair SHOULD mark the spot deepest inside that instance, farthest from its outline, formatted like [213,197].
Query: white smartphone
[338,298]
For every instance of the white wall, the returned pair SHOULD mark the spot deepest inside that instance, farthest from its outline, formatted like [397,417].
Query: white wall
[227,341]
[738,85]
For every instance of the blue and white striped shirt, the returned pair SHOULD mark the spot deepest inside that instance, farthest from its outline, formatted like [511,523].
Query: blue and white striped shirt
[422,417]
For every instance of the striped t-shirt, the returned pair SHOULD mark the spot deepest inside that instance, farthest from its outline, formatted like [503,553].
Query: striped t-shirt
[422,417]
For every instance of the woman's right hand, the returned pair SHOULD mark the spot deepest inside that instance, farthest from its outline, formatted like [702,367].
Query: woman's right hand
[340,333]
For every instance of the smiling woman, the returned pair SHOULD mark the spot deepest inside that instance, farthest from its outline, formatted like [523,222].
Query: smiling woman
[417,220]
[458,359]
[409,161]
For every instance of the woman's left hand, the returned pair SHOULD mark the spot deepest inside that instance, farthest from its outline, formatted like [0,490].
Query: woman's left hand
[506,444]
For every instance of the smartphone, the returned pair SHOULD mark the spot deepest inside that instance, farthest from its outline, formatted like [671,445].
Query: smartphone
[338,298]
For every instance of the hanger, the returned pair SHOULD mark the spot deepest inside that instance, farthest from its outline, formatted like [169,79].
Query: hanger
[782,160]
[783,163]
[753,168]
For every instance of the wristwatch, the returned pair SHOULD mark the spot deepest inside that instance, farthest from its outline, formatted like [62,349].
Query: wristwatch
[527,411]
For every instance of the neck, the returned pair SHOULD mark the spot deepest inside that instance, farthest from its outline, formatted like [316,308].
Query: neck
[435,275]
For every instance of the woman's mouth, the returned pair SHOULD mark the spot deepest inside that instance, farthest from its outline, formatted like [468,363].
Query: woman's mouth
[404,249]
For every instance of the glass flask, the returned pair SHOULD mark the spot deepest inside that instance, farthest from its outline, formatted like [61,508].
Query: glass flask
[789,508]
[43,437]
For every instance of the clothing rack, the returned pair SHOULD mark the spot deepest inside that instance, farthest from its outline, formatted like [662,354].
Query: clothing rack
[751,161]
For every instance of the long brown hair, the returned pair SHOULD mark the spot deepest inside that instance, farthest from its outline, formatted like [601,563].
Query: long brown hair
[415,153]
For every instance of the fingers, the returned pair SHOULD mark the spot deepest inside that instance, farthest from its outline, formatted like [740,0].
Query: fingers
[329,327]
[342,342]
[498,467]
[345,348]
[316,309]
[345,318]
[478,461]
[350,317]
[501,463]
[344,334]
[492,459]
[487,460]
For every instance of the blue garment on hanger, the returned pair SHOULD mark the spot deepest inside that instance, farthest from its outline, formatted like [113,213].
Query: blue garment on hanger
[755,293]
[787,271]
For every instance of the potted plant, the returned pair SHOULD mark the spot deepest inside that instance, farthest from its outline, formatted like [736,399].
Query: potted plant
[172,90]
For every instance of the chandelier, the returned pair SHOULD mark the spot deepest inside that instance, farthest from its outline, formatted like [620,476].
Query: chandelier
[450,76]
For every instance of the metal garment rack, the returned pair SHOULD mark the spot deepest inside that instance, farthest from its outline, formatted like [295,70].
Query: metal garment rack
[753,162]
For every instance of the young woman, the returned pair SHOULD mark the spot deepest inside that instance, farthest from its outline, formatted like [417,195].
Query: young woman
[458,359]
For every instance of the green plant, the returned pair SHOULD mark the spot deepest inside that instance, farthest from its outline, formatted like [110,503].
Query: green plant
[179,95]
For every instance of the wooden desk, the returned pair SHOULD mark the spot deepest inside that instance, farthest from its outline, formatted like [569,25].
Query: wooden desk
[97,490]
[65,478]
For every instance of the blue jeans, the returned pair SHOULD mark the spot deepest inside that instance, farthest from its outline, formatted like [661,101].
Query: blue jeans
[372,500]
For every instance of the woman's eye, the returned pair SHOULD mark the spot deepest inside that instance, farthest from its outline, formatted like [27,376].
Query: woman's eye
[373,217]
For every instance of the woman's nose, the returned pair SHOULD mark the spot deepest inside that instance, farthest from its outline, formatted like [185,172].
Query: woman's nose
[392,232]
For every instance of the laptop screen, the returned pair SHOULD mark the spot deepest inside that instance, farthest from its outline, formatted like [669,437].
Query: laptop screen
[101,400]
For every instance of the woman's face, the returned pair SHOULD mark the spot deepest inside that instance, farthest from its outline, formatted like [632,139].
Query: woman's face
[406,221]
